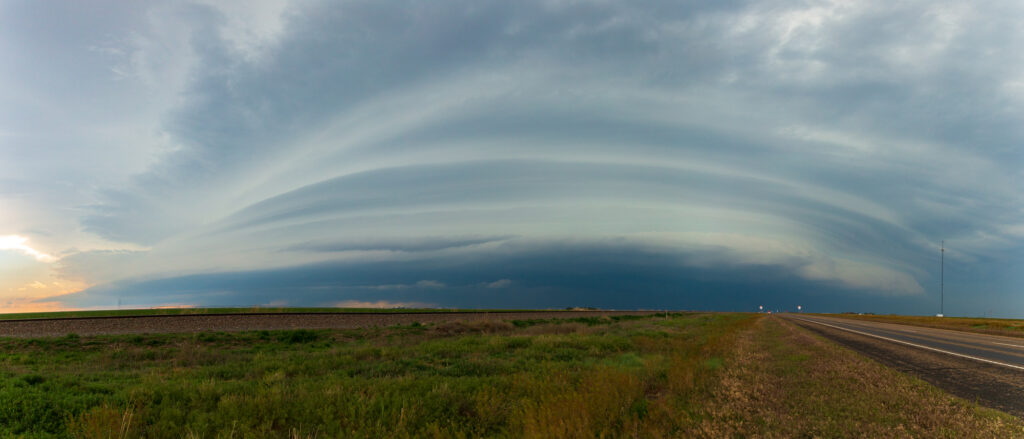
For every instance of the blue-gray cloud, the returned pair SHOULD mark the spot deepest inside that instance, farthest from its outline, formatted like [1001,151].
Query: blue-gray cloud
[414,244]
[833,143]
[550,276]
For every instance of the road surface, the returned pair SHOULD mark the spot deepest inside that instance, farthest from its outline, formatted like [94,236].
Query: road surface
[988,369]
[993,349]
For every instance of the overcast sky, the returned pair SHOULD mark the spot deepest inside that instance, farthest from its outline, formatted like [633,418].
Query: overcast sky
[661,154]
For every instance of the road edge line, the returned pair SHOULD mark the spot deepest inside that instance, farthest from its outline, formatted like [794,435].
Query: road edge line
[983,360]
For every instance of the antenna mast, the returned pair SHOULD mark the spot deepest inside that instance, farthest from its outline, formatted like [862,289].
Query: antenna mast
[942,278]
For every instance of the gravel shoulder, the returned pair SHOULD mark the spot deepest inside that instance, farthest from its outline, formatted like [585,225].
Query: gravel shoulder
[988,385]
[250,322]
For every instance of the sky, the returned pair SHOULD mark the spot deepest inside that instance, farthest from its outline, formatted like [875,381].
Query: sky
[718,155]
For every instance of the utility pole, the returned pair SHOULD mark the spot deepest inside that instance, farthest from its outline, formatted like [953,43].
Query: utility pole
[942,279]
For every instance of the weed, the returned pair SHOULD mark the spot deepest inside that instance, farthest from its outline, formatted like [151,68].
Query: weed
[473,327]
[33,379]
[713,363]
[103,421]
[298,336]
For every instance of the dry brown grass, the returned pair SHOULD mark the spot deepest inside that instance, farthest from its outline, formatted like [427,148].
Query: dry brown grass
[460,327]
[785,382]
[1006,327]
[662,394]
[564,328]
[103,422]
[599,407]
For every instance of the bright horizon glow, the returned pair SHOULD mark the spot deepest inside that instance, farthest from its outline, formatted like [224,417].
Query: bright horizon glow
[20,243]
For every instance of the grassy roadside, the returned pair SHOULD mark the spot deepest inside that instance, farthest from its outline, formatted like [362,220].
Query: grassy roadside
[1007,327]
[584,377]
[786,382]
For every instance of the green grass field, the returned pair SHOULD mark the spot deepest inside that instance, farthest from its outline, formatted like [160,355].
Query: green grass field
[681,375]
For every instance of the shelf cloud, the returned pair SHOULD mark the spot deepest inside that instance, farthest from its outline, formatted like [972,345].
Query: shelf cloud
[517,153]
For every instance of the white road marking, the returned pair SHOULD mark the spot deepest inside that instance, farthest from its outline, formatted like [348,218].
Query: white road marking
[917,345]
[1008,344]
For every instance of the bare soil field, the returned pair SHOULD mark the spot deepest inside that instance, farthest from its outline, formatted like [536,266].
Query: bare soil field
[250,322]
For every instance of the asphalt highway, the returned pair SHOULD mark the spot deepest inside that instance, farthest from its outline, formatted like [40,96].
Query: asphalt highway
[1001,351]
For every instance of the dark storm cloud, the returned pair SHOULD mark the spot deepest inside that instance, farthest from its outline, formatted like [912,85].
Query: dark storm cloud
[554,276]
[376,143]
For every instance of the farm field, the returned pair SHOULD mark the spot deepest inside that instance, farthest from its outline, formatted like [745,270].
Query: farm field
[680,375]
[249,310]
[1006,327]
